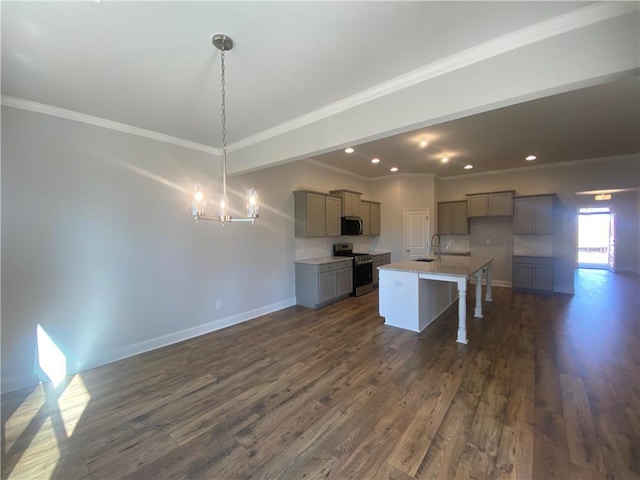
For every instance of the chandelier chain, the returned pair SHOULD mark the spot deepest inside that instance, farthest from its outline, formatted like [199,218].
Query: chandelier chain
[224,131]
[223,107]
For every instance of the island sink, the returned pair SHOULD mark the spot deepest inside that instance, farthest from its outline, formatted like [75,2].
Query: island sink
[424,259]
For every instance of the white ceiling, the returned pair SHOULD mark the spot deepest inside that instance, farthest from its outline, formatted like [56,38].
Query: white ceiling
[151,65]
[593,122]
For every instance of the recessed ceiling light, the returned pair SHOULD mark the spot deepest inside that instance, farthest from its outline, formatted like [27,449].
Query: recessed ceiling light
[445,159]
[375,160]
[394,169]
[468,167]
[423,143]
[531,157]
[349,150]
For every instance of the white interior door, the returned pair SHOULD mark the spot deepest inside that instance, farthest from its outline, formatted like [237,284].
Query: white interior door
[416,234]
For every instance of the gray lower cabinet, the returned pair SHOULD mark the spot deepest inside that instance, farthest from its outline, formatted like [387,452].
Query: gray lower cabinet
[379,260]
[530,273]
[318,285]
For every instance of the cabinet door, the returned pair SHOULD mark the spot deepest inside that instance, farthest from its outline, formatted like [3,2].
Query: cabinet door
[543,215]
[333,209]
[444,219]
[345,281]
[543,278]
[315,215]
[459,221]
[355,204]
[327,287]
[501,204]
[365,214]
[376,272]
[477,205]
[522,276]
[375,219]
[523,219]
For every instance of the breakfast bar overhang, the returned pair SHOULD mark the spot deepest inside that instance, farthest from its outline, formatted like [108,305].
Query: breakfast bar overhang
[413,293]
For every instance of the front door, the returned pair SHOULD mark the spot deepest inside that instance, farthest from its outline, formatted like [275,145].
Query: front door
[416,234]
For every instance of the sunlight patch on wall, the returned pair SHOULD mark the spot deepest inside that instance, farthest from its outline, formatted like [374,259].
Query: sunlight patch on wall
[72,404]
[50,358]
[42,456]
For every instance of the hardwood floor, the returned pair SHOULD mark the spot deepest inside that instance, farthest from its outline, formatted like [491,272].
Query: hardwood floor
[548,387]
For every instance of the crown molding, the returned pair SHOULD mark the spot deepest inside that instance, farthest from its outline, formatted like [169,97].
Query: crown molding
[545,166]
[45,109]
[555,26]
[318,163]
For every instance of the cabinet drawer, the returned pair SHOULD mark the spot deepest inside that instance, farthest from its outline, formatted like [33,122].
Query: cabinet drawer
[523,260]
[544,261]
[385,259]
[345,264]
[327,267]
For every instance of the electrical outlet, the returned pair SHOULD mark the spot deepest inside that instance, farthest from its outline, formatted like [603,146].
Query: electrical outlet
[219,305]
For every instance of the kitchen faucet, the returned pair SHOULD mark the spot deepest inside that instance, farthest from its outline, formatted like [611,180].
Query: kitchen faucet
[438,254]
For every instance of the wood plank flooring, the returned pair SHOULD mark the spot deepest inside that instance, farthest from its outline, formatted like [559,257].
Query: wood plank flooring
[548,387]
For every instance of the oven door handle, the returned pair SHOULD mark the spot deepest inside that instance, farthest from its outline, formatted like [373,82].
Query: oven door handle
[364,263]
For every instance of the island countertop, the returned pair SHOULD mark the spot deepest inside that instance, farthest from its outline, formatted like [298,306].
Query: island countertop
[450,266]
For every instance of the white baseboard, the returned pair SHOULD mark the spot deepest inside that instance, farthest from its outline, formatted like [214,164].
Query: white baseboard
[96,359]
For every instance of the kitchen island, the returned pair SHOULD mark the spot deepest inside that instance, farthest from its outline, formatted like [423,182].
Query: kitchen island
[413,293]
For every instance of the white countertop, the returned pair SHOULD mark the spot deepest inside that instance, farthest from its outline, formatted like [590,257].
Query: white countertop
[321,260]
[449,266]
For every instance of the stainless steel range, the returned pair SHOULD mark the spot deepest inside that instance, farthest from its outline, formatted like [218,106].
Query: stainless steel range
[362,268]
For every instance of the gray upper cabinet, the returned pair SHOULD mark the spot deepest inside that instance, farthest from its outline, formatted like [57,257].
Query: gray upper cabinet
[333,206]
[494,204]
[375,218]
[316,214]
[370,214]
[365,214]
[452,218]
[534,215]
[350,202]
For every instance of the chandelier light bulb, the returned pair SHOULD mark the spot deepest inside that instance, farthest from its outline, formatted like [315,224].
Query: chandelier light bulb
[198,205]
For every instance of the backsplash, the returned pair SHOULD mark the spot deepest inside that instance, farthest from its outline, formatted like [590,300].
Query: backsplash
[454,243]
[323,247]
[533,245]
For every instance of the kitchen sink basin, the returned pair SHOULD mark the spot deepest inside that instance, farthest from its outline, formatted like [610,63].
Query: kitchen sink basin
[424,259]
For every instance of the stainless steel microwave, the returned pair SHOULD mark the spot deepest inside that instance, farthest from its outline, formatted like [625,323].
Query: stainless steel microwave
[351,226]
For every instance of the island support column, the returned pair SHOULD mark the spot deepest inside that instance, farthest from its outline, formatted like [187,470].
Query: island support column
[478,312]
[488,293]
[462,311]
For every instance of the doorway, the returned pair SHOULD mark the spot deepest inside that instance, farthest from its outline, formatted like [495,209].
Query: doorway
[416,234]
[596,238]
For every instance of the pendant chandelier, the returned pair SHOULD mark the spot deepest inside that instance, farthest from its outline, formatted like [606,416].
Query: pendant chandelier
[223,43]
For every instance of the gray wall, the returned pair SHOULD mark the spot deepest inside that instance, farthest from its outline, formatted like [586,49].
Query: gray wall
[99,248]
